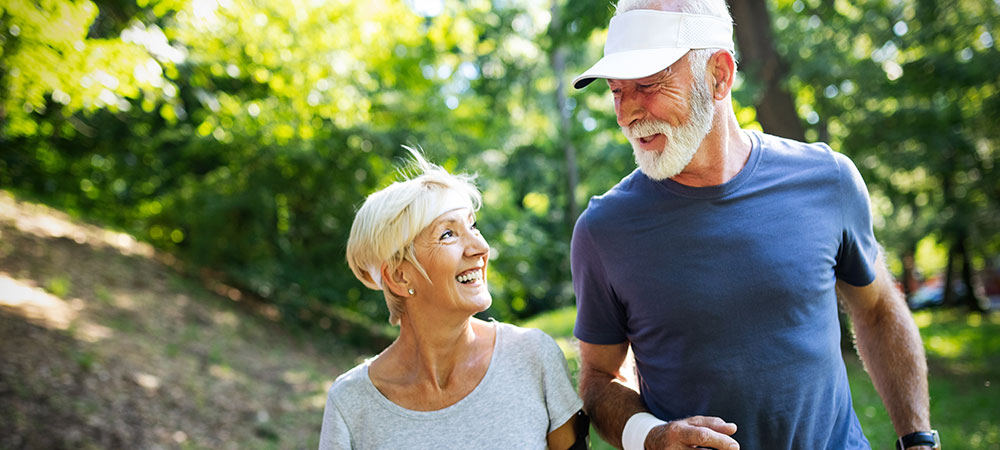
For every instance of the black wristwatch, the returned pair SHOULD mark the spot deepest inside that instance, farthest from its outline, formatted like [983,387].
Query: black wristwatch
[928,438]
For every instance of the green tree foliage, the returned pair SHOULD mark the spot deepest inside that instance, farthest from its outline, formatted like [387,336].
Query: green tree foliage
[242,136]
[909,90]
[47,57]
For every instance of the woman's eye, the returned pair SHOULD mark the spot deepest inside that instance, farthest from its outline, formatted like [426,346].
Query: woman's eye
[646,86]
[447,234]
[475,225]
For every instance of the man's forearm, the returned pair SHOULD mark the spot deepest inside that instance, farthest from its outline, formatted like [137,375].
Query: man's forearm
[889,344]
[609,402]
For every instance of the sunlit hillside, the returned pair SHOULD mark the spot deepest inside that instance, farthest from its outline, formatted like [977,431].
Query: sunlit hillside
[105,346]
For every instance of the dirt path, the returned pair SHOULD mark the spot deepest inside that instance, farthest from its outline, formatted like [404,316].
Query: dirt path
[104,346]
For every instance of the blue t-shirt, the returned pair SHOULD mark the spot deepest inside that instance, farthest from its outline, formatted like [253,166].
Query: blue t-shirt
[727,293]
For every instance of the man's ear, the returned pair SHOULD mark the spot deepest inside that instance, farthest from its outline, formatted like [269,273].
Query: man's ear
[397,280]
[722,69]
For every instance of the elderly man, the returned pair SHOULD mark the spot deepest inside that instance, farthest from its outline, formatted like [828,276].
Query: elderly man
[720,260]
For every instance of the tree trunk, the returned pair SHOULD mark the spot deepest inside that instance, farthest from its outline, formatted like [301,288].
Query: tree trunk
[910,282]
[558,56]
[759,58]
[947,293]
[909,269]
[971,295]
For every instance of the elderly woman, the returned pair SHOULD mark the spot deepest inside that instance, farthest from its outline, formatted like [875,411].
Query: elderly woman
[449,380]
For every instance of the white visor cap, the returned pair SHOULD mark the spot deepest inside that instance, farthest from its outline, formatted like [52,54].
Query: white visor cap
[642,42]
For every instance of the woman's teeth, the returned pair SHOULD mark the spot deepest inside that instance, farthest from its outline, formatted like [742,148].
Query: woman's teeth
[469,277]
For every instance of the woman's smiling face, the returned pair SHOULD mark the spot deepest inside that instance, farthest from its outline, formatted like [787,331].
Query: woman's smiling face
[455,255]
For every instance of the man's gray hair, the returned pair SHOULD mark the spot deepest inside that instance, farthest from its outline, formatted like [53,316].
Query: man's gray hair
[717,8]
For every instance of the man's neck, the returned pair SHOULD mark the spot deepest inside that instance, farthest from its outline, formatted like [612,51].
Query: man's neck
[721,156]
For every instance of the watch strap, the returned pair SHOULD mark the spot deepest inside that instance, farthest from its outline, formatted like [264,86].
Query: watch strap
[928,438]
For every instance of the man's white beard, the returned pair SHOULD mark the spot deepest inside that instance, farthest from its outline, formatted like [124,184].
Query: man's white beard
[682,141]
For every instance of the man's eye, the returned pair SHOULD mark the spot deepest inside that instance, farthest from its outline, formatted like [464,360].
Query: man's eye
[646,86]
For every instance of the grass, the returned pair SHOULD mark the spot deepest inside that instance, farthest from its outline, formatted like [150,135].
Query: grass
[963,353]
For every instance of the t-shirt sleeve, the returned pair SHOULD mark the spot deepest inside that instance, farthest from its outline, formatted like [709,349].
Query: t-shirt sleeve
[561,398]
[334,435]
[858,249]
[600,316]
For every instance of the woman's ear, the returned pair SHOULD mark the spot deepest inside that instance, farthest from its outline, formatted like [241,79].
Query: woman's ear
[397,280]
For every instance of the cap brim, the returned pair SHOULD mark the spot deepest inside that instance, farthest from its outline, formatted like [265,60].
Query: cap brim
[630,65]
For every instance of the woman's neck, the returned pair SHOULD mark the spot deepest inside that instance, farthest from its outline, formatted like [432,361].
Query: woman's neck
[433,351]
[434,362]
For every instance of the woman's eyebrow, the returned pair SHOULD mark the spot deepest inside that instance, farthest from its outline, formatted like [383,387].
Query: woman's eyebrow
[450,220]
[442,222]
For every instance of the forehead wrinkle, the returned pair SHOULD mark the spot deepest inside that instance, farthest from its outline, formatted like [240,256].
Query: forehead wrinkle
[662,75]
[665,75]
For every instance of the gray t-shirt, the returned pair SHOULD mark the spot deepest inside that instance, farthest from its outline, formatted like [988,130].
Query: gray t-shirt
[525,394]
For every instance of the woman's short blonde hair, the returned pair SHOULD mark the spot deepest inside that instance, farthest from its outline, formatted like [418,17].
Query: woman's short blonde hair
[391,218]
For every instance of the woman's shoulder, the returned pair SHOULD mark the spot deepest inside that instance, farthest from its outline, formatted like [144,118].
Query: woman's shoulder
[351,384]
[528,341]
[522,335]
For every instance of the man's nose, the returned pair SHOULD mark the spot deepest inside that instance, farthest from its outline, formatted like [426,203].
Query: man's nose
[629,109]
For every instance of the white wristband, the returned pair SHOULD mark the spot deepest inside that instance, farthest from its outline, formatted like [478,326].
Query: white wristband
[636,430]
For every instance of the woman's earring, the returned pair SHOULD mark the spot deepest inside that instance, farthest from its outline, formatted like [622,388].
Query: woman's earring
[411,291]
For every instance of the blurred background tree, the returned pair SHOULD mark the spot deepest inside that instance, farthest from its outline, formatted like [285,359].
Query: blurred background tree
[241,136]
[908,90]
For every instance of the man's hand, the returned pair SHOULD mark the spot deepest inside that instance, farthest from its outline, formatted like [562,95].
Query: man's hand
[693,432]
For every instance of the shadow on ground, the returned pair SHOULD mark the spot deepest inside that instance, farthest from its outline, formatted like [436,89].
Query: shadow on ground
[105,346]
